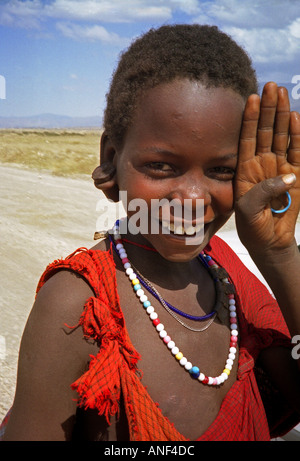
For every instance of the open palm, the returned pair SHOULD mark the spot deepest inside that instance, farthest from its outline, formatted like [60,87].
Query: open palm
[269,150]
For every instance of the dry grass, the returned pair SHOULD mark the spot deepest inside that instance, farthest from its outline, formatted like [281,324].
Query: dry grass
[60,152]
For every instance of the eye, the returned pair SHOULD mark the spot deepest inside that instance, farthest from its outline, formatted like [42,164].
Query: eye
[159,166]
[222,173]
[158,169]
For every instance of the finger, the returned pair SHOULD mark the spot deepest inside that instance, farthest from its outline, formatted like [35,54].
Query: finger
[263,194]
[282,122]
[247,143]
[293,156]
[267,117]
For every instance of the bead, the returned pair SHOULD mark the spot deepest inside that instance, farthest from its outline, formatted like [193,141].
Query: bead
[234,332]
[232,308]
[231,356]
[188,366]
[171,344]
[146,304]
[201,377]
[229,362]
[150,309]
[226,371]
[139,292]
[127,265]
[179,356]
[174,350]
[156,322]
[137,287]
[132,276]
[153,315]
[233,326]
[183,361]
[215,382]
[210,380]
[125,261]
[163,333]
[160,327]
[119,246]
[194,372]
[231,301]
[205,380]
[129,271]
[143,298]
[167,339]
[228,366]
[232,314]
[232,350]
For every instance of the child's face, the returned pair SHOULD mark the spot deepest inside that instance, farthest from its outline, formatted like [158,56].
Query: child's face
[183,144]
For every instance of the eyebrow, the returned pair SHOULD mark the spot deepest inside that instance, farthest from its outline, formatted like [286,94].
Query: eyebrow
[160,150]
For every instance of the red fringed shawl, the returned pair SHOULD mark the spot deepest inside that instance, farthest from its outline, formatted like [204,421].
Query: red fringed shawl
[114,369]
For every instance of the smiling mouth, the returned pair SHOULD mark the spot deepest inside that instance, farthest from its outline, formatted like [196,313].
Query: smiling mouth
[180,230]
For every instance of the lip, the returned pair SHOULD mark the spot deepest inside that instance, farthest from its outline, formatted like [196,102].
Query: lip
[195,239]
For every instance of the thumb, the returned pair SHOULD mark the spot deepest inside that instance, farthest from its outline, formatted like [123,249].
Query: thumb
[270,192]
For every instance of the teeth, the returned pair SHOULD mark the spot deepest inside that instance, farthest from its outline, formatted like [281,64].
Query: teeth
[190,230]
[180,230]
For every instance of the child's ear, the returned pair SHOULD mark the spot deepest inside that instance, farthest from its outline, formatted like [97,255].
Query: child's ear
[104,175]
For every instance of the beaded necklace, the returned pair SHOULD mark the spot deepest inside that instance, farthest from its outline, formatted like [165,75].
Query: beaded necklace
[193,370]
[171,309]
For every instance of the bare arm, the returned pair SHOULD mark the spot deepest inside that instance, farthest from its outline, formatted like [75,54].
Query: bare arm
[269,165]
[51,359]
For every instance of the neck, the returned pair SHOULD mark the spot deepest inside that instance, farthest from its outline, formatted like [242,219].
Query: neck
[155,267]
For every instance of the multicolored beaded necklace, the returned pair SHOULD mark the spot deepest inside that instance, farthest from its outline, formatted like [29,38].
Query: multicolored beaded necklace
[194,371]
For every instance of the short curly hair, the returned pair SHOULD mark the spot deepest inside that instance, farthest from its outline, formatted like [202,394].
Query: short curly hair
[197,52]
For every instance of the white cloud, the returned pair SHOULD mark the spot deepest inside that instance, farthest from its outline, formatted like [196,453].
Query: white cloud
[266,45]
[249,13]
[113,11]
[294,28]
[91,33]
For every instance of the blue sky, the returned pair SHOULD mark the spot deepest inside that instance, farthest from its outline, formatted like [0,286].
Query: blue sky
[57,56]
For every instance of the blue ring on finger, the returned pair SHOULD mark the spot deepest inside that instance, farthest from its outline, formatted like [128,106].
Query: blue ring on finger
[286,208]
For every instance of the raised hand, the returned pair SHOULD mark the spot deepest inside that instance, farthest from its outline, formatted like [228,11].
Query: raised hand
[268,166]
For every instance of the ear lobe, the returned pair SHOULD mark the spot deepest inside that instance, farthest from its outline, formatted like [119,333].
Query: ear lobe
[104,175]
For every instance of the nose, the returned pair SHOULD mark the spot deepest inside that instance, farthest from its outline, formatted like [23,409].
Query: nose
[190,188]
[192,193]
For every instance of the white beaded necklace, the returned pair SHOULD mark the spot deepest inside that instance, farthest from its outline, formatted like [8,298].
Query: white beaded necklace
[194,371]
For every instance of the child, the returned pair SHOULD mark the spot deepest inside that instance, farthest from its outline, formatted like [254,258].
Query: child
[170,337]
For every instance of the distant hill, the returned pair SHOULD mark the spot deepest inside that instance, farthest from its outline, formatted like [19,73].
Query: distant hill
[50,121]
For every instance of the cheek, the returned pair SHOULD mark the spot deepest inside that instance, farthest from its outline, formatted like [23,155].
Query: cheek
[222,197]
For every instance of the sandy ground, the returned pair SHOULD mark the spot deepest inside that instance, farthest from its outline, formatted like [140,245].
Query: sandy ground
[45,218]
[42,218]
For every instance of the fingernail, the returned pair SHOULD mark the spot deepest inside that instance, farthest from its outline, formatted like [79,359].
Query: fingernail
[289,179]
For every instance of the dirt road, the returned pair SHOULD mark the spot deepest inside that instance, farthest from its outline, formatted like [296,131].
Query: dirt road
[42,218]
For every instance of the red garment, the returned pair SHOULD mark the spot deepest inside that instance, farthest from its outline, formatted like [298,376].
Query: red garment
[114,369]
